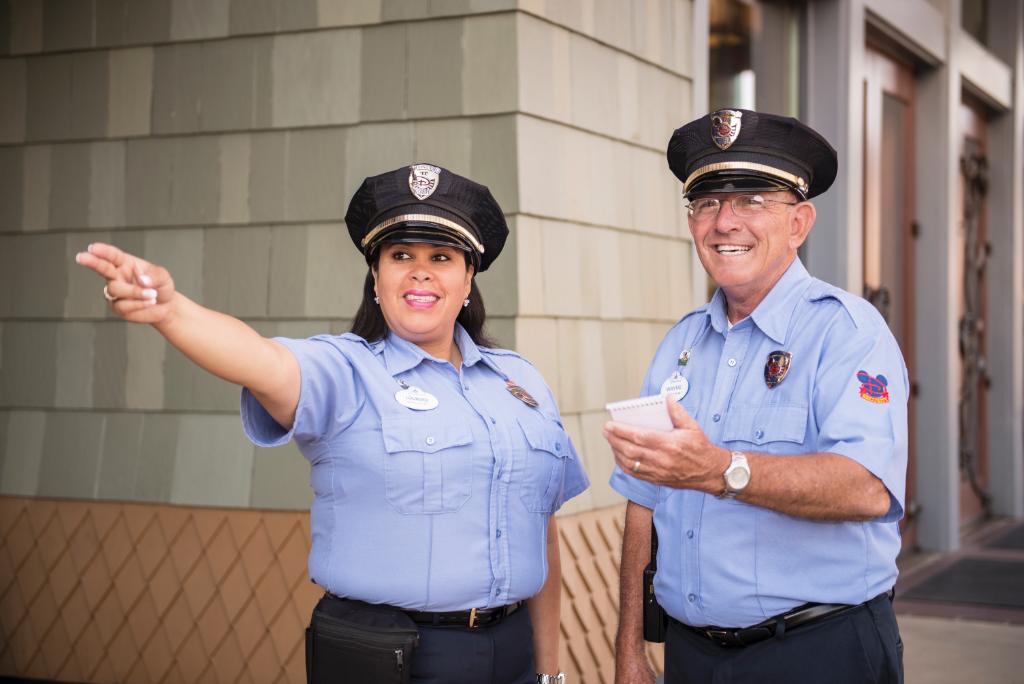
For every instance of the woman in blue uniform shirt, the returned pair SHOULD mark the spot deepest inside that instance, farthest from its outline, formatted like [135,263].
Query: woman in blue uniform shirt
[437,461]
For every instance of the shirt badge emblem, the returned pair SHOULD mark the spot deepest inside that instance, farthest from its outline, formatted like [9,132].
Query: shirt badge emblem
[725,127]
[415,398]
[776,368]
[874,389]
[423,180]
[521,394]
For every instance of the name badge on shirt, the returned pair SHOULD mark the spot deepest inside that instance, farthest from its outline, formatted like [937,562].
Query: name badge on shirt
[676,386]
[416,399]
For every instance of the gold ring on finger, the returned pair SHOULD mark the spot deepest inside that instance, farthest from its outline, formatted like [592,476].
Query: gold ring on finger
[108,296]
[636,466]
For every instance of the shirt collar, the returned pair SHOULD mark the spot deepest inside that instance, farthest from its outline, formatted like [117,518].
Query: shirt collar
[773,314]
[401,355]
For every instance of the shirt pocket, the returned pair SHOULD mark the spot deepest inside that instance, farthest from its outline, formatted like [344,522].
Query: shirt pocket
[765,425]
[428,466]
[543,469]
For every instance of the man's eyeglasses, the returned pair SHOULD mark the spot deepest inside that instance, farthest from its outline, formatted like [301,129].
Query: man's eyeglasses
[706,208]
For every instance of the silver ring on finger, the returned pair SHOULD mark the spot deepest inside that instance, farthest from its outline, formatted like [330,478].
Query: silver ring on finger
[636,466]
[106,295]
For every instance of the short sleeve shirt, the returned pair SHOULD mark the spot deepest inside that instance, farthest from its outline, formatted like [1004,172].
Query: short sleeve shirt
[728,563]
[439,509]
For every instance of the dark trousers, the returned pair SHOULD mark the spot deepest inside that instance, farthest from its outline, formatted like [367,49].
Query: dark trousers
[501,654]
[860,646]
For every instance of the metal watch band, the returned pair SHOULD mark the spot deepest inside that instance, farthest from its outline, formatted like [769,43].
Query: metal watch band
[551,679]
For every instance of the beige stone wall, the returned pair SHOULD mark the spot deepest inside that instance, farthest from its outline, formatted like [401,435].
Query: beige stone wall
[223,138]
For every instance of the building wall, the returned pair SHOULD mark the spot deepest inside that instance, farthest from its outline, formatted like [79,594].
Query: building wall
[223,140]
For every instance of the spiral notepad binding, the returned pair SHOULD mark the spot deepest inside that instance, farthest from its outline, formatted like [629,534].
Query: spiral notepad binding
[646,412]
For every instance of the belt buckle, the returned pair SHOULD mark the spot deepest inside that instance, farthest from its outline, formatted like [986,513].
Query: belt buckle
[472,618]
[720,635]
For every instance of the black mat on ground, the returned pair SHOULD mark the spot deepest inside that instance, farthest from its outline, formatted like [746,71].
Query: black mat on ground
[1010,539]
[975,580]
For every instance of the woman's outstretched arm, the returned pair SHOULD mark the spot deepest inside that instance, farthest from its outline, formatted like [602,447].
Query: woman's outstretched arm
[220,344]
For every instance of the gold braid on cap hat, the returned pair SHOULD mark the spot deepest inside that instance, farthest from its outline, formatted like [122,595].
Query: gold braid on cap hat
[790,178]
[425,218]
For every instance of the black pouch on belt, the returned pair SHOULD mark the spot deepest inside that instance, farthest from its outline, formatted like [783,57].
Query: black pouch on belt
[352,641]
[655,617]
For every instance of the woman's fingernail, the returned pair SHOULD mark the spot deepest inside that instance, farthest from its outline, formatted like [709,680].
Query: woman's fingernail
[145,279]
[78,258]
[149,294]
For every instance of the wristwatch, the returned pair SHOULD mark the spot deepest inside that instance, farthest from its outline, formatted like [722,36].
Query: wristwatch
[736,476]
[551,679]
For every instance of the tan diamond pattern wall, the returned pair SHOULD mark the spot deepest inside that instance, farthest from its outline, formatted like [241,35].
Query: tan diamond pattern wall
[118,592]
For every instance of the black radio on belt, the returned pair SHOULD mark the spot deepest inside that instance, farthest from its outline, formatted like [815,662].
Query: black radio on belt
[655,618]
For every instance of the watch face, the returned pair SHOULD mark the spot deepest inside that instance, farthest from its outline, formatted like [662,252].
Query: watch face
[737,478]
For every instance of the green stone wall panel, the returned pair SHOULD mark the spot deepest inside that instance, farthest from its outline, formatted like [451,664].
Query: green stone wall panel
[49,96]
[434,63]
[130,94]
[382,92]
[372,149]
[11,181]
[70,180]
[289,264]
[120,454]
[266,16]
[316,169]
[127,22]
[67,25]
[194,19]
[71,455]
[154,465]
[13,108]
[89,88]
[195,184]
[226,83]
[75,347]
[106,184]
[38,275]
[337,270]
[268,152]
[236,265]
[110,365]
[280,478]
[149,189]
[35,184]
[213,463]
[177,87]
[23,452]
[26,26]
[315,78]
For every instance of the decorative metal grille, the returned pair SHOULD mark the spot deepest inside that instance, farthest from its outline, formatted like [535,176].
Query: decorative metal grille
[974,373]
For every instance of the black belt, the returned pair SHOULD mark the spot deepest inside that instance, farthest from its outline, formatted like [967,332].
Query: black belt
[476,617]
[777,626]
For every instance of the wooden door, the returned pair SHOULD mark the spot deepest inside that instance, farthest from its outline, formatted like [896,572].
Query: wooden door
[889,227]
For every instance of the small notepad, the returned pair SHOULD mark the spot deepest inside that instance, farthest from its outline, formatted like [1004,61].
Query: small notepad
[645,412]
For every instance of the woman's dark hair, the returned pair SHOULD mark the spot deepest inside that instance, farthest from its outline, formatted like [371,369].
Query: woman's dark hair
[369,322]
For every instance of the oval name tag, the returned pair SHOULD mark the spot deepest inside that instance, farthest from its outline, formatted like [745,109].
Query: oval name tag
[416,399]
[677,386]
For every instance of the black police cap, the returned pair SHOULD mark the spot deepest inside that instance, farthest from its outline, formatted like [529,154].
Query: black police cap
[426,203]
[737,149]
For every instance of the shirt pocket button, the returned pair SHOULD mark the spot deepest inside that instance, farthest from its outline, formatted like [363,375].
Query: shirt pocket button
[430,441]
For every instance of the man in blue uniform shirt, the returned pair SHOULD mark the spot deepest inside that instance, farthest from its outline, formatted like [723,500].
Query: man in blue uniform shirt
[776,497]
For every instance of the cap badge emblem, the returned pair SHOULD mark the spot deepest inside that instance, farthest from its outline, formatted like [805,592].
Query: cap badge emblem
[776,368]
[725,127]
[423,180]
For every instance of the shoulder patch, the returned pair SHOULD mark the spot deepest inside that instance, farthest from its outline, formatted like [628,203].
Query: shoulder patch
[873,388]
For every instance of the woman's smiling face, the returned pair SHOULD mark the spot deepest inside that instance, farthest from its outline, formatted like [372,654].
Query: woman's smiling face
[421,288]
